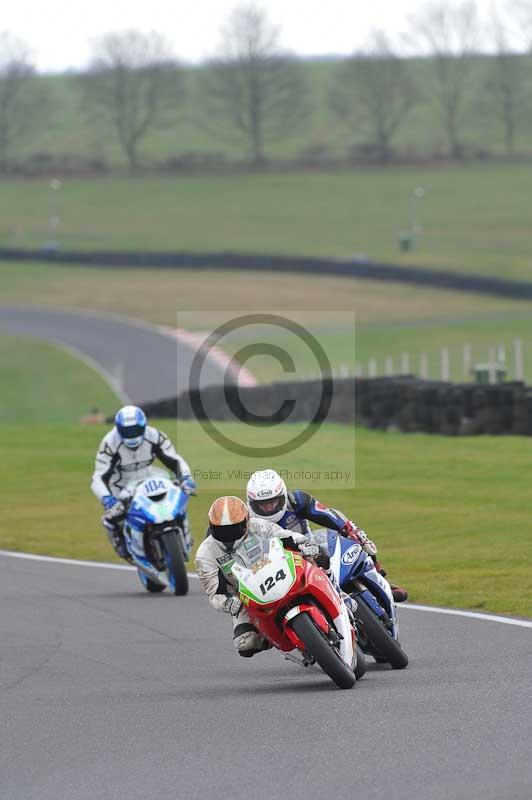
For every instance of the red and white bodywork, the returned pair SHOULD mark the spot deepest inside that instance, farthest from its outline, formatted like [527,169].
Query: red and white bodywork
[277,585]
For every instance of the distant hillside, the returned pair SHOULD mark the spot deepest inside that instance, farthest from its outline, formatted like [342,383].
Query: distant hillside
[67,136]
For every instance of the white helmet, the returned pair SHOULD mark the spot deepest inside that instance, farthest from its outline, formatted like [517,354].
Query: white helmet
[266,495]
[130,422]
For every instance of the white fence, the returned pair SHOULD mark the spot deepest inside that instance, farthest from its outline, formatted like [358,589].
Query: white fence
[491,366]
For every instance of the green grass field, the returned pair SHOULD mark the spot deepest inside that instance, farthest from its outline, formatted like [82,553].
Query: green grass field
[45,383]
[195,299]
[474,218]
[450,516]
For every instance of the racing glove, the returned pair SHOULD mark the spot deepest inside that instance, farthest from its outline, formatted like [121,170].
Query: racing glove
[309,550]
[186,484]
[351,531]
[108,501]
[125,496]
[232,606]
[115,511]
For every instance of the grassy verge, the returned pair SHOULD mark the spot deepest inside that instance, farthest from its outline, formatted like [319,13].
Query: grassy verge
[44,383]
[472,218]
[450,516]
[159,296]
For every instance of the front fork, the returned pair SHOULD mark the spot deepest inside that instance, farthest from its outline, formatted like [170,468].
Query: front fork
[342,625]
[188,540]
[376,601]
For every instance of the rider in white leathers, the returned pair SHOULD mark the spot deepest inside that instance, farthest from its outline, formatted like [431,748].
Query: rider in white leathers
[229,525]
[126,454]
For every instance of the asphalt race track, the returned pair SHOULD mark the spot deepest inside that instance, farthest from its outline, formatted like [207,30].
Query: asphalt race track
[150,364]
[108,693]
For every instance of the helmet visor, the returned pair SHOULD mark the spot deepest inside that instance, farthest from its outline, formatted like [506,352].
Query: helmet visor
[265,508]
[227,534]
[130,431]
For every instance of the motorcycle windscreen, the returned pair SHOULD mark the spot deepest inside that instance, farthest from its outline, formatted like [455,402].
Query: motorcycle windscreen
[265,570]
[145,474]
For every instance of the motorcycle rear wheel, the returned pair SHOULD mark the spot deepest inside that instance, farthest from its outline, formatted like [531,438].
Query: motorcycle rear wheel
[176,562]
[384,646]
[323,652]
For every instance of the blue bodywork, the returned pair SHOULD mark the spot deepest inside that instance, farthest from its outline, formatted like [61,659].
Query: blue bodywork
[167,504]
[355,571]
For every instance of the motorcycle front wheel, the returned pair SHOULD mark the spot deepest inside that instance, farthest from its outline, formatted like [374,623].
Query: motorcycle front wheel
[383,647]
[175,560]
[323,651]
[362,664]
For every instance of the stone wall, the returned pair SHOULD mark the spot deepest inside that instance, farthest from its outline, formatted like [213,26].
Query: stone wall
[455,409]
[396,403]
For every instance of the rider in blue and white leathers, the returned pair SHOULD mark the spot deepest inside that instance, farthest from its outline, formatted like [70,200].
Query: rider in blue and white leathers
[126,454]
[268,498]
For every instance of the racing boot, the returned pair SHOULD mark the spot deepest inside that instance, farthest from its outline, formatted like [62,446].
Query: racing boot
[399,594]
[248,640]
[116,537]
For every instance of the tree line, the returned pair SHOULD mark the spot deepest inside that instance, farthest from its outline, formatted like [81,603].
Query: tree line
[254,93]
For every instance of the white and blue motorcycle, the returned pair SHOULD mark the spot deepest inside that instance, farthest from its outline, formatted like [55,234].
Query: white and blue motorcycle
[156,532]
[375,615]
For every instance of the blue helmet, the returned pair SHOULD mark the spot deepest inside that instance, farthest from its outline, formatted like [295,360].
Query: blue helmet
[131,424]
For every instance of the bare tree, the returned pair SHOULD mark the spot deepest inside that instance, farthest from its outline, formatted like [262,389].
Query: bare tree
[507,81]
[253,88]
[20,98]
[135,84]
[450,33]
[521,14]
[374,91]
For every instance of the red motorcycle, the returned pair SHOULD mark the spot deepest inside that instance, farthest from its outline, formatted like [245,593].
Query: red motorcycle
[294,605]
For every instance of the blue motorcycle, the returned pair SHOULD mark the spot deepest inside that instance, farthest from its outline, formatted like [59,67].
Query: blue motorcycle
[156,533]
[376,616]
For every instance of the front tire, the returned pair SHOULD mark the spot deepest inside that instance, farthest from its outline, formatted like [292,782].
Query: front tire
[362,664]
[384,647]
[324,653]
[176,563]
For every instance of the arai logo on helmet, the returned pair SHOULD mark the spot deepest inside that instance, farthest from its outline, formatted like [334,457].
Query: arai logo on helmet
[351,555]
[264,493]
